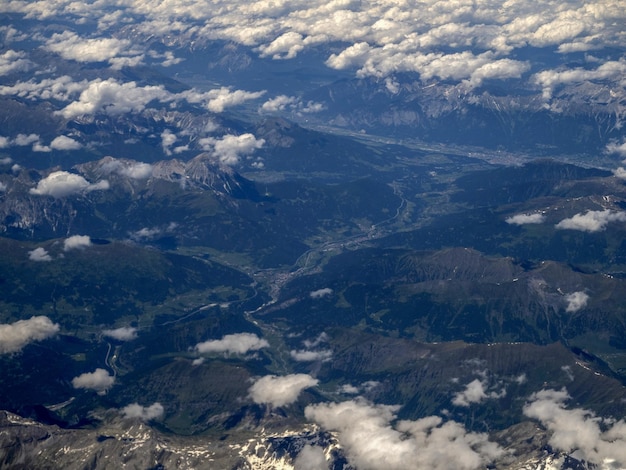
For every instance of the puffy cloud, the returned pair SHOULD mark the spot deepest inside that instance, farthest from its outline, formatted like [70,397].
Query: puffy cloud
[319,293]
[592,221]
[229,148]
[131,169]
[578,431]
[63,142]
[280,391]
[576,301]
[59,89]
[13,61]
[98,380]
[619,149]
[60,184]
[310,356]
[114,98]
[620,173]
[238,343]
[311,458]
[373,439]
[124,333]
[145,413]
[76,241]
[15,336]
[522,219]
[277,104]
[39,254]
[71,46]
[218,99]
[476,392]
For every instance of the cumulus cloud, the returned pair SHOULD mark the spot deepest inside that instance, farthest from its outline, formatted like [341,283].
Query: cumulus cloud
[218,99]
[39,254]
[238,343]
[60,184]
[131,169]
[620,173]
[592,221]
[124,333]
[576,301]
[373,439]
[522,219]
[114,98]
[63,142]
[13,62]
[61,89]
[578,431]
[98,380]
[230,148]
[619,149]
[15,336]
[279,103]
[145,413]
[303,355]
[76,241]
[70,45]
[280,390]
[476,392]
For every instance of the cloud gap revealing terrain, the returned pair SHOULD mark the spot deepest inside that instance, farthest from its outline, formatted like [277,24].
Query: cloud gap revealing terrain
[313,235]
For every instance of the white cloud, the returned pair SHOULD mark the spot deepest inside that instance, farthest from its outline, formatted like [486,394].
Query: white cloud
[13,61]
[124,333]
[319,293]
[114,98]
[218,99]
[521,219]
[620,173]
[592,221]
[60,184]
[280,391]
[372,439]
[98,380]
[576,301]
[310,356]
[279,103]
[63,142]
[15,336]
[71,46]
[229,148]
[76,241]
[619,149]
[145,413]
[477,391]
[59,89]
[137,171]
[310,458]
[578,431]
[238,343]
[39,254]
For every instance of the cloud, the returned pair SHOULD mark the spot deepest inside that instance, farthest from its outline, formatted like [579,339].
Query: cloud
[319,293]
[373,439]
[39,254]
[310,458]
[310,356]
[229,148]
[145,413]
[218,99]
[238,343]
[15,336]
[277,104]
[63,142]
[476,392]
[76,241]
[124,333]
[114,98]
[60,184]
[592,221]
[521,219]
[13,62]
[59,89]
[576,301]
[280,391]
[128,168]
[619,149]
[620,173]
[98,380]
[71,46]
[578,431]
